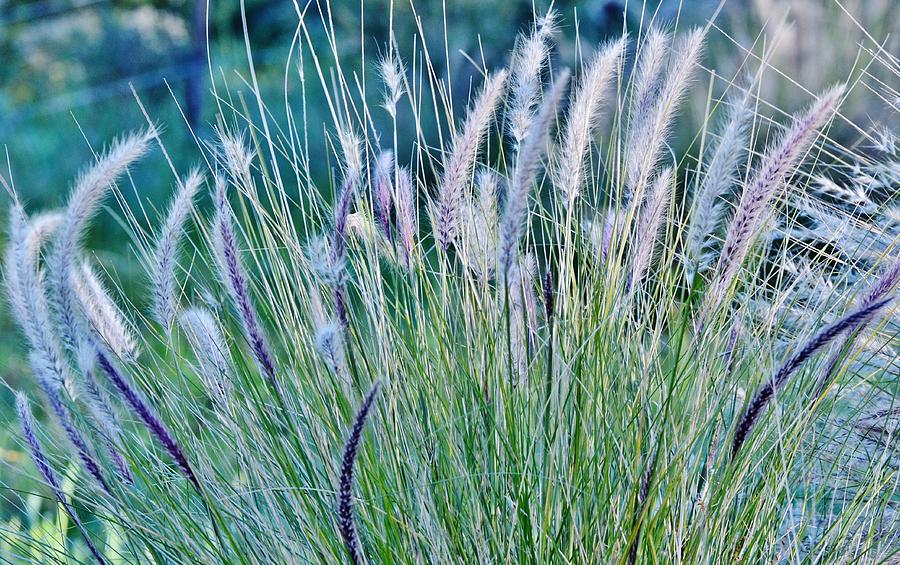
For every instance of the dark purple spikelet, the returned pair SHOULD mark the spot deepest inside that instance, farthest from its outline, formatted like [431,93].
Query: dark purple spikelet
[384,189]
[64,417]
[643,493]
[43,465]
[345,502]
[339,242]
[140,407]
[549,298]
[884,284]
[226,242]
[760,400]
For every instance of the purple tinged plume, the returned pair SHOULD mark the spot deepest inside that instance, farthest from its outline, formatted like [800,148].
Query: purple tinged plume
[885,283]
[407,221]
[84,201]
[145,413]
[232,270]
[761,399]
[777,164]
[384,181]
[25,287]
[339,241]
[528,160]
[345,503]
[38,455]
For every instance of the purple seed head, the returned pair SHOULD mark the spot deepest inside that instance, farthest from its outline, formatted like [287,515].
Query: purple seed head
[38,455]
[345,503]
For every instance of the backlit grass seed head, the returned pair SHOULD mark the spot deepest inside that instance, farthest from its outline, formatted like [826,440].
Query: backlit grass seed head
[529,59]
[103,416]
[652,126]
[392,73]
[645,86]
[84,200]
[778,162]
[522,315]
[231,270]
[345,491]
[885,283]
[330,345]
[584,115]
[45,373]
[39,456]
[480,226]
[650,221]
[319,255]
[407,216]
[237,158]
[384,191]
[164,283]
[460,161]
[25,288]
[709,208]
[211,350]
[25,292]
[858,319]
[528,161]
[102,313]
[41,228]
[154,425]
[342,208]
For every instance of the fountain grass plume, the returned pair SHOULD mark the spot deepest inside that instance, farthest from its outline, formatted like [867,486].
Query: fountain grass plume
[584,115]
[407,216]
[645,86]
[232,272]
[345,492]
[529,58]
[480,216]
[528,160]
[654,119]
[25,290]
[650,221]
[460,161]
[384,189]
[164,284]
[721,173]
[154,425]
[84,200]
[101,312]
[393,73]
[782,158]
[38,455]
[214,363]
[345,199]
[887,281]
[858,319]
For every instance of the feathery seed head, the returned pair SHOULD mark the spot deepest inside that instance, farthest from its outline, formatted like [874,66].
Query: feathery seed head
[407,216]
[163,279]
[782,158]
[528,61]
[528,162]
[584,115]
[460,161]
[209,345]
[102,313]
[384,189]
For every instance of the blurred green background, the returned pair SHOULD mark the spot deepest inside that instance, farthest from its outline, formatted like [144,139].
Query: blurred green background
[71,72]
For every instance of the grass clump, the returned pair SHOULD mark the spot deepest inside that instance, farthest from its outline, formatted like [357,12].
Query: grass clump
[561,349]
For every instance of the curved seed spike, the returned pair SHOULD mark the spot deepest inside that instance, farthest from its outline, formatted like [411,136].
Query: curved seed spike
[345,503]
[761,399]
